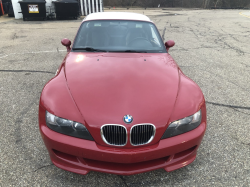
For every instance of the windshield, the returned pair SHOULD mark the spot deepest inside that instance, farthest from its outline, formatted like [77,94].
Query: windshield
[118,36]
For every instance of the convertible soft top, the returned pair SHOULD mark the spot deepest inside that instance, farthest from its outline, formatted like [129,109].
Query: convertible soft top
[116,16]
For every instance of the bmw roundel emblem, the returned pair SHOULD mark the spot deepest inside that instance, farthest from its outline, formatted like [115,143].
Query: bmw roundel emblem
[128,119]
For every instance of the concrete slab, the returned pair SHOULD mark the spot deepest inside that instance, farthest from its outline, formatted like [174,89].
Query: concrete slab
[245,13]
[212,48]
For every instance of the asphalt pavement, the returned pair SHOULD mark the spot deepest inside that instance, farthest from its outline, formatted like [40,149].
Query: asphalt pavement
[212,48]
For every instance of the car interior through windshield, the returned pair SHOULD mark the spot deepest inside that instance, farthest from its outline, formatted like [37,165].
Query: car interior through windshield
[119,36]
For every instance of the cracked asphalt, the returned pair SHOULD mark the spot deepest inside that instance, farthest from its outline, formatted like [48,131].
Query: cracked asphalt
[212,48]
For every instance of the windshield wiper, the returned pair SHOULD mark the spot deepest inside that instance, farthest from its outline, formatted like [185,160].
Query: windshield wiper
[131,51]
[89,49]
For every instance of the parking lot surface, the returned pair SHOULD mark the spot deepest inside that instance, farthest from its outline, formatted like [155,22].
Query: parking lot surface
[212,48]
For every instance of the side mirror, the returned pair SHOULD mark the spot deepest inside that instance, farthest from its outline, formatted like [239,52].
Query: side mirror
[66,42]
[169,43]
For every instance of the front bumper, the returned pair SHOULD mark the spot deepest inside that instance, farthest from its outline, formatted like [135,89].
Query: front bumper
[81,156]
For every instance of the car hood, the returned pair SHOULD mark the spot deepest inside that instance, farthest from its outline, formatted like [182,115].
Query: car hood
[107,86]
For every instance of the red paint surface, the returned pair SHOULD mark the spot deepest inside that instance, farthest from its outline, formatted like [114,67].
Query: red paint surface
[100,88]
[81,156]
[66,42]
[169,43]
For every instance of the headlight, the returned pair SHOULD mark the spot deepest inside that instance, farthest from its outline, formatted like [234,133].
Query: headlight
[183,125]
[67,127]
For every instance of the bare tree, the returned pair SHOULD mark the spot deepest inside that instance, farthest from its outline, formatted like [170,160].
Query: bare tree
[132,2]
[179,3]
[216,2]
[206,3]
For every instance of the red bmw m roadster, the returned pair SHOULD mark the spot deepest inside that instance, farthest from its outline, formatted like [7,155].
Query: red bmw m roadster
[119,103]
